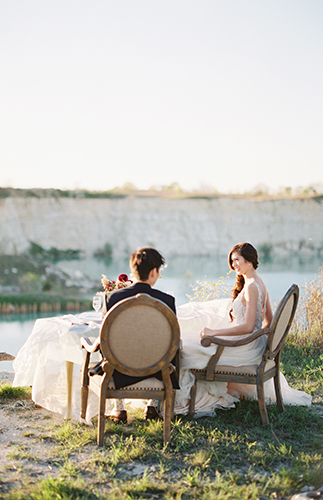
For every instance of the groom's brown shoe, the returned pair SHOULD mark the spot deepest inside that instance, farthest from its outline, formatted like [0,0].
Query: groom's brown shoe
[151,413]
[120,416]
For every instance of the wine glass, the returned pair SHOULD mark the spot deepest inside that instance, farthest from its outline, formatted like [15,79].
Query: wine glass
[97,302]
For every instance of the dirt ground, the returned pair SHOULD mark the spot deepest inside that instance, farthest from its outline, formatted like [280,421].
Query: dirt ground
[27,454]
[19,422]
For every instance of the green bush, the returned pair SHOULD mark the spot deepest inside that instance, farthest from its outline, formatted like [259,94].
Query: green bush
[30,283]
[8,392]
[106,251]
[53,253]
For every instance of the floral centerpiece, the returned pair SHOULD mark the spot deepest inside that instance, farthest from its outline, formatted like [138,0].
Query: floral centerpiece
[109,285]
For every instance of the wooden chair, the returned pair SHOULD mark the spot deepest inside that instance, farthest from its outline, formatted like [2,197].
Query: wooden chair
[139,337]
[4,356]
[254,374]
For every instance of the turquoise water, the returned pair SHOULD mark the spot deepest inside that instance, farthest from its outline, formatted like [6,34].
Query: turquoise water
[182,272]
[177,278]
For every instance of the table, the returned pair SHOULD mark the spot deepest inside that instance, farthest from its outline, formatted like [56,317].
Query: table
[51,360]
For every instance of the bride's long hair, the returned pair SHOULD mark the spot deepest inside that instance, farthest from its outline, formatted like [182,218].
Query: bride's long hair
[250,254]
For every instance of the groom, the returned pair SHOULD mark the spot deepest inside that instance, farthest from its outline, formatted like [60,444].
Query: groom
[145,264]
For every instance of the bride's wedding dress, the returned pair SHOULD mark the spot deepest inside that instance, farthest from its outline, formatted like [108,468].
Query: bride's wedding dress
[192,318]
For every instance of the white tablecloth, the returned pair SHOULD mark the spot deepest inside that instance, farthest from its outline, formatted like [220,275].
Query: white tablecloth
[40,362]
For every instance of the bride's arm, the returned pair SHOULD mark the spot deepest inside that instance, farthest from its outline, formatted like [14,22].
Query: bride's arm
[251,296]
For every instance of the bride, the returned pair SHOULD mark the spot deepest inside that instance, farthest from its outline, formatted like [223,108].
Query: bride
[249,311]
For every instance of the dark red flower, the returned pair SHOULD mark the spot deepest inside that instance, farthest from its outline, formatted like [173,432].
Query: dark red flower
[123,277]
[110,286]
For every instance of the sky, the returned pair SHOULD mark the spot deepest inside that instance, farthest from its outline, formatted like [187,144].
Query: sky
[211,94]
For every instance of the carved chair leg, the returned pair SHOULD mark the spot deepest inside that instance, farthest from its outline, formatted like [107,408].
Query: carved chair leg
[261,402]
[279,397]
[168,404]
[101,417]
[85,386]
[191,409]
[173,401]
[69,367]
[84,399]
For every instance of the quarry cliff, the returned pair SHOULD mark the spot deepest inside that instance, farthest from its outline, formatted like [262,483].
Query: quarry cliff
[207,225]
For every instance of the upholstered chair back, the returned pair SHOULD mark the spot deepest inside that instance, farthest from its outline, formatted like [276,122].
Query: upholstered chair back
[139,333]
[282,319]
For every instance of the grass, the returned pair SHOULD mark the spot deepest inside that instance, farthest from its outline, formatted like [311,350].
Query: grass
[305,371]
[173,189]
[229,456]
[7,392]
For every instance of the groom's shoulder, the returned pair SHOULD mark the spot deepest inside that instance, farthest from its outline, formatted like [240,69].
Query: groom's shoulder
[132,290]
[164,297]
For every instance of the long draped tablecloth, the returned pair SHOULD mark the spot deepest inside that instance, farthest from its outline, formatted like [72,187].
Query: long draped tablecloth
[52,348]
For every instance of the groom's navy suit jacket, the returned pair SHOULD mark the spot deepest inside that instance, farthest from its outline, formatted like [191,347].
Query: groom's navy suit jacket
[113,298]
[121,380]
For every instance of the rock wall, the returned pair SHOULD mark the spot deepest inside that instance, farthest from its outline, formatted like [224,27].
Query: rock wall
[189,226]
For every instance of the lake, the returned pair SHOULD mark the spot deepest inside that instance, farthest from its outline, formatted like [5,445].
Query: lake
[178,278]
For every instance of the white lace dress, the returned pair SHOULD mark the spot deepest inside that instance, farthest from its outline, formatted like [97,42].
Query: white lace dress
[193,317]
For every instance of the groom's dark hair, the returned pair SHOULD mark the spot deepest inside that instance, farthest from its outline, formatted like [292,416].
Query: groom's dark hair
[143,260]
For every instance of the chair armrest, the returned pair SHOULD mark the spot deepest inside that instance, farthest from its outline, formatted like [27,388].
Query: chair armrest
[230,342]
[88,346]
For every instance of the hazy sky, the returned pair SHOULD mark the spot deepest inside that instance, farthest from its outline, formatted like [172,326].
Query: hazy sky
[219,93]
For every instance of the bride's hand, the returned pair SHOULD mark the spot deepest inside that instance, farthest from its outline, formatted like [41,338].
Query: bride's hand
[207,332]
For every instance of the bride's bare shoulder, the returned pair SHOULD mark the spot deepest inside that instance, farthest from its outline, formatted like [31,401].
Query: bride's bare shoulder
[251,289]
[255,286]
[260,286]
